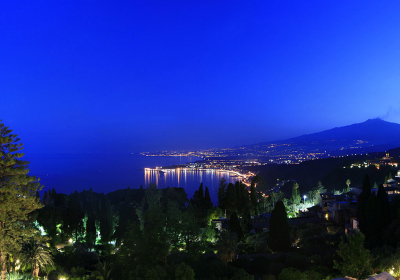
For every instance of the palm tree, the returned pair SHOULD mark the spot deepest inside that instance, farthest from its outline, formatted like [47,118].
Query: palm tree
[103,271]
[348,182]
[38,255]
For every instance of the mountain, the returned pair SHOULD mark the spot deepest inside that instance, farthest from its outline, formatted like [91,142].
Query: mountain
[373,135]
[374,131]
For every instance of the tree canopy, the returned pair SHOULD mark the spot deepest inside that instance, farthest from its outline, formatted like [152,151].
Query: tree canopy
[17,196]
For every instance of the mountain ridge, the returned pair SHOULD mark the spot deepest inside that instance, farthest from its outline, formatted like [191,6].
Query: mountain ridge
[372,135]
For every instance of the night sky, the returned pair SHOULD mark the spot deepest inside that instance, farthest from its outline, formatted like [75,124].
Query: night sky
[132,76]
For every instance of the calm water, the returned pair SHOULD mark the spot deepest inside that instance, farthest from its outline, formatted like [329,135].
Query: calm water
[104,173]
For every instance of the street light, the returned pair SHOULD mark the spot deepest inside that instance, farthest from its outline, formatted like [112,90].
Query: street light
[304,201]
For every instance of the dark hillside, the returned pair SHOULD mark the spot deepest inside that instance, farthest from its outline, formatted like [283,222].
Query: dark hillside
[332,172]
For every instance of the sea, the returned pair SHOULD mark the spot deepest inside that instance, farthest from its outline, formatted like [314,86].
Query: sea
[106,173]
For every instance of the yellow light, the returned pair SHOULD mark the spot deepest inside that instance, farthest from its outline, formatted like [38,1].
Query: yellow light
[71,240]
[326,215]
[17,262]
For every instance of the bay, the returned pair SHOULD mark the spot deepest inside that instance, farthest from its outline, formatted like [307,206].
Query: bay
[107,173]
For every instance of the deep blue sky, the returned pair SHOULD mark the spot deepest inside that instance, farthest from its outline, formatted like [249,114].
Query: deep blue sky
[131,76]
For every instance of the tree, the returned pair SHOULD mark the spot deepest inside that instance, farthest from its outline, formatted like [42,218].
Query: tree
[17,196]
[91,221]
[296,198]
[348,182]
[384,201]
[74,218]
[106,220]
[103,271]
[38,255]
[279,231]
[207,199]
[253,197]
[184,272]
[227,247]
[221,193]
[362,203]
[234,225]
[355,259]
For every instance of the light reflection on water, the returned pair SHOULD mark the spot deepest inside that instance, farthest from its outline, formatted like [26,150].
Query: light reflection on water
[188,179]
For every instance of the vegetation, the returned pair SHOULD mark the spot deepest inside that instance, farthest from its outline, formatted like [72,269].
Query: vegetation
[151,233]
[17,197]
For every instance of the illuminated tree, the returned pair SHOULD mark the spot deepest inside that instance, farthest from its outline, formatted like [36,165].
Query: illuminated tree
[17,196]
[348,182]
[355,259]
[296,198]
[38,255]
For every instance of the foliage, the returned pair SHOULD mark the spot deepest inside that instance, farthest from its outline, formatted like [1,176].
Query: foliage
[227,247]
[258,242]
[279,231]
[238,199]
[38,256]
[355,259]
[290,274]
[184,272]
[17,276]
[17,196]
[73,222]
[241,274]
[103,271]
[106,220]
[156,273]
[221,193]
[296,197]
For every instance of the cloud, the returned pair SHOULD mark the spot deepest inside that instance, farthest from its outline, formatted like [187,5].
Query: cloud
[392,113]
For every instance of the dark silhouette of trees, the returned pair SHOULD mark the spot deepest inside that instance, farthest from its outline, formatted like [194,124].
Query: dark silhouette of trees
[234,225]
[254,200]
[73,223]
[362,204]
[106,220]
[221,194]
[207,199]
[91,232]
[279,231]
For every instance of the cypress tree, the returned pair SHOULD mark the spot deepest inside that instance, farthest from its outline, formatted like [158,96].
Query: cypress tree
[234,225]
[45,198]
[106,220]
[201,191]
[384,205]
[253,197]
[74,216]
[17,196]
[362,202]
[207,199]
[296,198]
[279,231]
[91,221]
[221,193]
